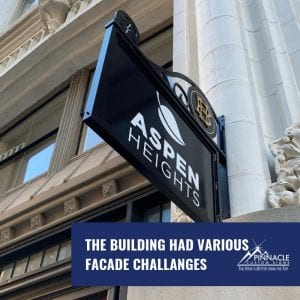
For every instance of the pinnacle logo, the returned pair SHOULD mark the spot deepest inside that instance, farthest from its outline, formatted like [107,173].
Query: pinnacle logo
[259,259]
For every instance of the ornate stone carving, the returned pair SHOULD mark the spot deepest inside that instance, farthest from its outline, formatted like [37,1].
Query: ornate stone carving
[286,190]
[70,206]
[76,7]
[109,188]
[6,235]
[21,50]
[53,13]
[37,221]
[180,216]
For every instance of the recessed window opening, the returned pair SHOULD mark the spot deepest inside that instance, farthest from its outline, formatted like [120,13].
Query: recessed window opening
[26,150]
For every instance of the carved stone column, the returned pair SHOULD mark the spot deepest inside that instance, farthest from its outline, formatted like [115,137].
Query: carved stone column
[224,78]
[70,125]
[53,13]
[185,60]
[286,190]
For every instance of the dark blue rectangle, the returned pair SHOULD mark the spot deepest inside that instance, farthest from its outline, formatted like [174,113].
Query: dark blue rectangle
[247,254]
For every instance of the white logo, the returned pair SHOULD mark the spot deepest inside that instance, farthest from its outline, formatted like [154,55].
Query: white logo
[154,147]
[258,259]
[169,123]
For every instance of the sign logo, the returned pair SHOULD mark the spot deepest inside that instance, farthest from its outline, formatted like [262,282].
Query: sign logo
[259,259]
[160,152]
[203,112]
[169,122]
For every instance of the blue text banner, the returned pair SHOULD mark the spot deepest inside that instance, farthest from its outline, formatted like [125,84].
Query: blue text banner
[166,254]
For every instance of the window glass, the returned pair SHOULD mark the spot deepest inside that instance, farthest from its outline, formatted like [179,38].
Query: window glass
[65,250]
[89,138]
[38,162]
[50,256]
[152,215]
[20,267]
[6,272]
[35,261]
[26,150]
[159,213]
[9,172]
[166,212]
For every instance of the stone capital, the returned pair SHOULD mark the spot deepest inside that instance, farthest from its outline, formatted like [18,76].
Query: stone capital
[53,13]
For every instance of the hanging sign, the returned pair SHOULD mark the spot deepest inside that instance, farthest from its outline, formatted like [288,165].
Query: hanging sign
[133,106]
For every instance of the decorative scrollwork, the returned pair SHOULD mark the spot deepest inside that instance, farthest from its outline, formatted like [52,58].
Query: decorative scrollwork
[192,98]
[181,94]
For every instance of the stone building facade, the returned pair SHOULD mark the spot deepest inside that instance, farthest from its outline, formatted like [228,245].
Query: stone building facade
[245,56]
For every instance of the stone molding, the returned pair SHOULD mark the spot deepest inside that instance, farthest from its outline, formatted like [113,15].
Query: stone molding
[19,32]
[280,214]
[52,14]
[57,212]
[22,50]
[286,190]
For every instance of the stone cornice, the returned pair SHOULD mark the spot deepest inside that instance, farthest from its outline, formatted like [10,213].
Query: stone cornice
[71,188]
[74,45]
[19,32]
[53,202]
